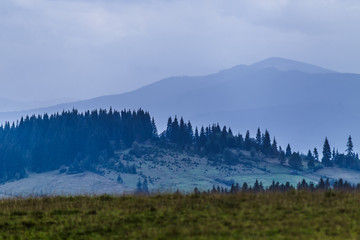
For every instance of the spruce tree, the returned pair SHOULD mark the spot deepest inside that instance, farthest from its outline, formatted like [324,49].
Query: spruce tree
[247,141]
[154,128]
[196,136]
[189,133]
[310,159]
[274,148]
[326,159]
[202,138]
[168,128]
[266,145]
[349,149]
[258,139]
[288,151]
[350,156]
[316,155]
[282,157]
[295,161]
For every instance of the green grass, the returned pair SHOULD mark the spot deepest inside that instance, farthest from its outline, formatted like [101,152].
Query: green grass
[292,215]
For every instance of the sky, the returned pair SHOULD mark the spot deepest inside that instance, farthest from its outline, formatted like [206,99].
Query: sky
[79,49]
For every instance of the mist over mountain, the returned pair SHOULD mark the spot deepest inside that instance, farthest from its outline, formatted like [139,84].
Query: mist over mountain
[300,103]
[8,105]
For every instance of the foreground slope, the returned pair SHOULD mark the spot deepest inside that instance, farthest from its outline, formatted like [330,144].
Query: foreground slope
[291,215]
[299,102]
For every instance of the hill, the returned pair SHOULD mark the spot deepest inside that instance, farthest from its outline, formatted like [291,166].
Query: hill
[299,102]
[107,151]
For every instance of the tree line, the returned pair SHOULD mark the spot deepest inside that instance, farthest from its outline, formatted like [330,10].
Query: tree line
[81,141]
[257,187]
[213,139]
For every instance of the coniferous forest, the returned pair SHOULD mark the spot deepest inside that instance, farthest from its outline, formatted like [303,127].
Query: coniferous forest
[79,140]
[84,141]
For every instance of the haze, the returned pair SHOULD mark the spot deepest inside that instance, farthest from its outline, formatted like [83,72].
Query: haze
[81,49]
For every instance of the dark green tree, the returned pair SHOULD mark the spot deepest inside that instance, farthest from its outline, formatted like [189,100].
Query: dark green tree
[288,151]
[258,139]
[349,148]
[316,155]
[295,160]
[247,141]
[274,148]
[282,157]
[310,159]
[326,159]
[266,147]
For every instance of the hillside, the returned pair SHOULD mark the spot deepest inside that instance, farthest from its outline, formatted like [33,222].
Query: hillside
[107,151]
[168,171]
[299,102]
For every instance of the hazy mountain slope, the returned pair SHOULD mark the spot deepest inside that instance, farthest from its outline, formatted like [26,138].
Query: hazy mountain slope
[287,64]
[299,103]
[167,171]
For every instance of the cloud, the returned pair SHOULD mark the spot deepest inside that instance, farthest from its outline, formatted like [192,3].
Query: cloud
[85,48]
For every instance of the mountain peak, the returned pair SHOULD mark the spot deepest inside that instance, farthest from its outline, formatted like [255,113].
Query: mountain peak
[284,64]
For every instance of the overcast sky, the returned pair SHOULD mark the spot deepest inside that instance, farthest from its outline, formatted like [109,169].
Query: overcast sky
[80,49]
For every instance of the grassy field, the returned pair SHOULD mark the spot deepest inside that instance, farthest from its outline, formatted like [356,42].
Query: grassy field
[292,215]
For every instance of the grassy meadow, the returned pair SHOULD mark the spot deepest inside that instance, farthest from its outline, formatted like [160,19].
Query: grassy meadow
[291,215]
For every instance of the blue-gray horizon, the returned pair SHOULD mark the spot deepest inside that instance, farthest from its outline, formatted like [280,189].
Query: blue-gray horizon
[81,49]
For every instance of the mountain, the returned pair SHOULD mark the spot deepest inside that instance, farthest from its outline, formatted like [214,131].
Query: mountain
[299,103]
[288,65]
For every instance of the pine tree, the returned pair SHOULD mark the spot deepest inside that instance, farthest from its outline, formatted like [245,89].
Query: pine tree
[282,157]
[316,155]
[295,160]
[182,132]
[168,128]
[326,159]
[349,149]
[256,187]
[288,151]
[154,128]
[350,156]
[189,133]
[266,147]
[202,138]
[310,159]
[196,136]
[247,141]
[175,131]
[274,148]
[258,139]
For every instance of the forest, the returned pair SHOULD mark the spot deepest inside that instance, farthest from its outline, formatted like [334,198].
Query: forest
[86,140]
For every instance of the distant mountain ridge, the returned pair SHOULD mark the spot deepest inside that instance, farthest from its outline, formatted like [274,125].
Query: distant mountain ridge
[298,102]
[288,65]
